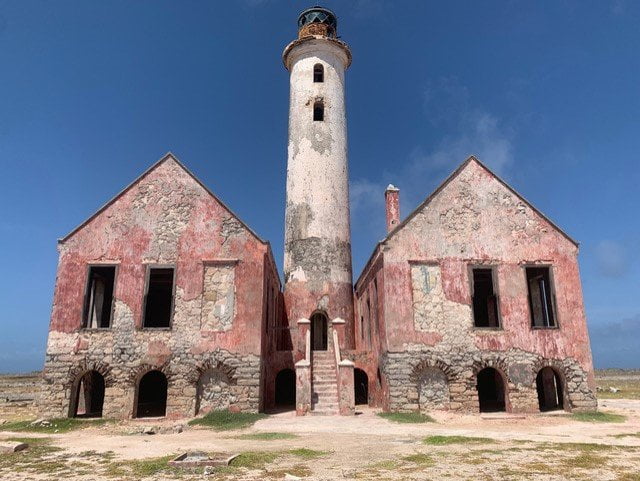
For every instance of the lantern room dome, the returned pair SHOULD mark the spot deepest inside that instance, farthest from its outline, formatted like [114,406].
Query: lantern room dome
[317,21]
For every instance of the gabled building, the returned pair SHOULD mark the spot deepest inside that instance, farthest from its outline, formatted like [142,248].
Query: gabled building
[166,304]
[474,302]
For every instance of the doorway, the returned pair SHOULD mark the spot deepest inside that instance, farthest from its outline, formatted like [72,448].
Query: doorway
[319,324]
[491,390]
[152,395]
[285,389]
[549,387]
[360,386]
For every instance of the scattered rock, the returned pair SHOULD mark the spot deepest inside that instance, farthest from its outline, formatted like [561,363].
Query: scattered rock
[40,422]
[290,477]
[12,447]
[150,430]
[3,421]
[613,389]
[209,470]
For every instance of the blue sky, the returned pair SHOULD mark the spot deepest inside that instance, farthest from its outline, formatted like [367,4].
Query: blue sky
[546,93]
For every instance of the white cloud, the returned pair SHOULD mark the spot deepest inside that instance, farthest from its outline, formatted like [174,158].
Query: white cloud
[612,259]
[471,131]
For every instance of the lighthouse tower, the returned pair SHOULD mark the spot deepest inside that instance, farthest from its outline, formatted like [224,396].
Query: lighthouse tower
[317,255]
[318,290]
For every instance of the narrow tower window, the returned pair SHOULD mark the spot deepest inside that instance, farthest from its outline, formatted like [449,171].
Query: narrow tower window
[318,73]
[318,111]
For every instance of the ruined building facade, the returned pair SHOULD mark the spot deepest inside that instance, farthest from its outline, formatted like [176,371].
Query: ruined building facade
[167,304]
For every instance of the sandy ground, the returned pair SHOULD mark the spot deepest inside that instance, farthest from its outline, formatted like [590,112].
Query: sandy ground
[368,447]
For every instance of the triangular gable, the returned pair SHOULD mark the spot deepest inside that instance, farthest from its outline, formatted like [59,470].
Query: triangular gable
[166,157]
[455,173]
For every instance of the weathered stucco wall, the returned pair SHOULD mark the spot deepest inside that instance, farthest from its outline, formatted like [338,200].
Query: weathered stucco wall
[476,220]
[317,256]
[167,218]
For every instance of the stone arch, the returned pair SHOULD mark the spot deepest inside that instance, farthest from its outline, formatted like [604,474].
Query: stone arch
[431,379]
[103,368]
[138,372]
[213,391]
[229,371]
[87,395]
[493,391]
[562,374]
[151,394]
[498,363]
[550,389]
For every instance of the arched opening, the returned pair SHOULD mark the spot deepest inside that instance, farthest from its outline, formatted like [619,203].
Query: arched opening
[318,73]
[213,392]
[549,387]
[319,326]
[491,390]
[361,386]
[285,389]
[152,395]
[88,398]
[318,111]
[433,389]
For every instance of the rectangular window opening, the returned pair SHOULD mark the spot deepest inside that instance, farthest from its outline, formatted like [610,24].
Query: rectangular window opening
[159,297]
[485,301]
[541,297]
[318,111]
[99,297]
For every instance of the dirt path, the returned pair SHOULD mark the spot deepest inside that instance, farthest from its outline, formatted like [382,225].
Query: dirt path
[369,447]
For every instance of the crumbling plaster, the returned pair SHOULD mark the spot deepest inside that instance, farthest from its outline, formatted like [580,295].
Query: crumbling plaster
[165,217]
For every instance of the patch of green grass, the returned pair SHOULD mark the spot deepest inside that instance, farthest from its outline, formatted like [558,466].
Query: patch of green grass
[420,458]
[407,418]
[266,436]
[444,440]
[598,417]
[626,435]
[58,425]
[585,461]
[226,420]
[254,459]
[307,453]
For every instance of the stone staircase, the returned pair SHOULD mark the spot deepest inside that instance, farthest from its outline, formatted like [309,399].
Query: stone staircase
[324,383]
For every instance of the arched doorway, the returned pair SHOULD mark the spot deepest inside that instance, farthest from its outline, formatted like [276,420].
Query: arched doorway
[88,398]
[319,324]
[491,390]
[549,387]
[285,389]
[152,395]
[361,386]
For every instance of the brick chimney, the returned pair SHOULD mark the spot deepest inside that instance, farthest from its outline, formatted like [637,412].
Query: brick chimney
[392,201]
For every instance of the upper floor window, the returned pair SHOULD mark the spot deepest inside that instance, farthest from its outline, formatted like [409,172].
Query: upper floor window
[318,73]
[541,297]
[318,111]
[98,301]
[485,300]
[158,299]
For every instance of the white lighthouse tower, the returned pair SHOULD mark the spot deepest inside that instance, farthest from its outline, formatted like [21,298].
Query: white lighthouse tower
[317,255]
